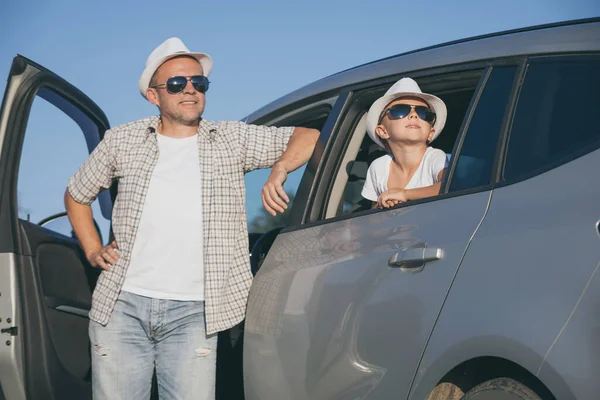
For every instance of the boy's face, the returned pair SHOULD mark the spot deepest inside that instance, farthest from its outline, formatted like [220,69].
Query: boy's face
[410,129]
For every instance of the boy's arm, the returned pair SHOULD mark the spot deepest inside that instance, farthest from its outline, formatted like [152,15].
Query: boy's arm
[391,197]
[423,192]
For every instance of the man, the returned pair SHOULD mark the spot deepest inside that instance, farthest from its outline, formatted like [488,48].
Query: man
[178,271]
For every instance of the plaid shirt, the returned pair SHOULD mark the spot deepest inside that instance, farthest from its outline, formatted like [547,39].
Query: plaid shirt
[227,150]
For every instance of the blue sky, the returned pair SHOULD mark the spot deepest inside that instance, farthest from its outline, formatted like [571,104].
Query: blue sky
[261,49]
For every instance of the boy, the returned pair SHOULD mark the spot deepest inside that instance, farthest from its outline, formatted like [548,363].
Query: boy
[404,122]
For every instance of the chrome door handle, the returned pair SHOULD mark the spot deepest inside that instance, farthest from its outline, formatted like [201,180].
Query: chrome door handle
[415,258]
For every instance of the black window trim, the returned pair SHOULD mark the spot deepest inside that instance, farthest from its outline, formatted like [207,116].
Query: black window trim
[301,113]
[305,104]
[507,123]
[501,140]
[310,185]
[447,179]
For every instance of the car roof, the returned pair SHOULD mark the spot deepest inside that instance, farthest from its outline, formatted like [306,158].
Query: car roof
[570,36]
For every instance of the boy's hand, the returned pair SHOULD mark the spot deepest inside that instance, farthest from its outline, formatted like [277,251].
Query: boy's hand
[391,197]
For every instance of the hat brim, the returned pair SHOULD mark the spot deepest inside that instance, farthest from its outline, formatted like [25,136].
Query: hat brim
[438,106]
[204,59]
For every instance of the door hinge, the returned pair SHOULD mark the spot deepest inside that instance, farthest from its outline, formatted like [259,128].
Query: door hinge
[12,331]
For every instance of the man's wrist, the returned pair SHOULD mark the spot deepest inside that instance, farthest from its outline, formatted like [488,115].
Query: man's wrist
[279,166]
[92,251]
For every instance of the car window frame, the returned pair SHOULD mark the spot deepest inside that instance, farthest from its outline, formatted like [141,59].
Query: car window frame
[337,140]
[13,141]
[91,130]
[352,116]
[503,130]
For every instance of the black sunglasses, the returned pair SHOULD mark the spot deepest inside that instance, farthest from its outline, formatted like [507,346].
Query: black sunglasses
[177,84]
[399,111]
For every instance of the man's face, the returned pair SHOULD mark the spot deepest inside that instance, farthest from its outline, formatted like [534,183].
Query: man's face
[185,107]
[408,129]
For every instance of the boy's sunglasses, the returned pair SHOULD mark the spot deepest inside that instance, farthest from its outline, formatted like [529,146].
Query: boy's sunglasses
[399,111]
[177,84]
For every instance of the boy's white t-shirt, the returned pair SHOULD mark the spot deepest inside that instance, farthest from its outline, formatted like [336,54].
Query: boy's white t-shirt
[166,260]
[433,161]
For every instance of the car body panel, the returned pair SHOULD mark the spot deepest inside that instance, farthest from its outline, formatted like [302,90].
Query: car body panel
[314,323]
[521,279]
[11,346]
[572,365]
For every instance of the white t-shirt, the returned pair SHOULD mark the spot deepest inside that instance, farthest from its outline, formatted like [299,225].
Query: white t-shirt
[433,161]
[166,259]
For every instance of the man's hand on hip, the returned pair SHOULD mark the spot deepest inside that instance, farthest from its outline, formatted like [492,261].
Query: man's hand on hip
[274,198]
[104,257]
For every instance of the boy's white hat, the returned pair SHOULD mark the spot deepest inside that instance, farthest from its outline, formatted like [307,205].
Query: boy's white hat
[403,88]
[172,47]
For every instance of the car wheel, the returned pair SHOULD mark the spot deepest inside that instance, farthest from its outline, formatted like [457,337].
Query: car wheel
[445,391]
[501,389]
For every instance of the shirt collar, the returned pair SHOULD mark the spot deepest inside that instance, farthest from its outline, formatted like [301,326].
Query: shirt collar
[153,125]
[205,128]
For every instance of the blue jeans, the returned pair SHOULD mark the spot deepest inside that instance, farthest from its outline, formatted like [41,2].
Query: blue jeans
[143,333]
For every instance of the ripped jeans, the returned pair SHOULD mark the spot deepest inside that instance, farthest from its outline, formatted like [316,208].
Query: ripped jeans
[143,333]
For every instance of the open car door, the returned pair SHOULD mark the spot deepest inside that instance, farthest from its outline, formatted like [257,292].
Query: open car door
[46,283]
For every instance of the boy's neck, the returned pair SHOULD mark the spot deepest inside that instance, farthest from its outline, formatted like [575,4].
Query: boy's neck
[408,157]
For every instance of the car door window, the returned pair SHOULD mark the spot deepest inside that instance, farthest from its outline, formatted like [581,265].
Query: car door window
[455,89]
[259,220]
[557,115]
[56,143]
[478,148]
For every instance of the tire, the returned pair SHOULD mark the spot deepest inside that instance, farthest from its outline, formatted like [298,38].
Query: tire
[446,391]
[501,389]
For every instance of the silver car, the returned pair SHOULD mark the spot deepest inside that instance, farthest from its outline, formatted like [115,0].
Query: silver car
[486,291]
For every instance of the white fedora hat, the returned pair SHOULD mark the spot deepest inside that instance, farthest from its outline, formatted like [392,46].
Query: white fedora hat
[403,88]
[172,47]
